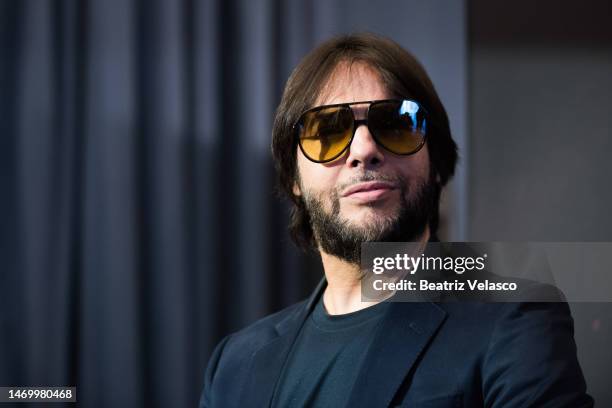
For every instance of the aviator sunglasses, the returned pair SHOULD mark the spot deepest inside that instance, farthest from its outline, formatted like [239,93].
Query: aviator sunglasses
[325,132]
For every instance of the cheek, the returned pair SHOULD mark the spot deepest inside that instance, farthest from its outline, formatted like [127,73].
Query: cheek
[315,177]
[415,167]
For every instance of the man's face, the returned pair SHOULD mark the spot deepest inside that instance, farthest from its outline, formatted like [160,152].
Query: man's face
[369,193]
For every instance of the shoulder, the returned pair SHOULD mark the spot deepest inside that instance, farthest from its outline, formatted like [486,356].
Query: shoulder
[532,301]
[243,343]
[536,320]
[266,327]
[233,353]
[527,349]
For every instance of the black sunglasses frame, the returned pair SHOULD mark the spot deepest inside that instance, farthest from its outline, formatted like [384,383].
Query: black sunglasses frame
[356,124]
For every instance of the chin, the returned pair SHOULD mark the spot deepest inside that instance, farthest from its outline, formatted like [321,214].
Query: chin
[375,209]
[369,216]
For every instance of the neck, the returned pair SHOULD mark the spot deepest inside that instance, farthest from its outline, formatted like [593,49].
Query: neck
[343,292]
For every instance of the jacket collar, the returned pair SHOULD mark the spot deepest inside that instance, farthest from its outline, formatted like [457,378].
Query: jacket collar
[301,313]
[405,331]
[267,363]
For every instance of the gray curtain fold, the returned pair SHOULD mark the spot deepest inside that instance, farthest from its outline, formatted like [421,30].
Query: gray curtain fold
[139,223]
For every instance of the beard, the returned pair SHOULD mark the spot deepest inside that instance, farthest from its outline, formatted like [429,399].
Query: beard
[341,238]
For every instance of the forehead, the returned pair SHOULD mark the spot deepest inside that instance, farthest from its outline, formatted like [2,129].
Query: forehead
[352,82]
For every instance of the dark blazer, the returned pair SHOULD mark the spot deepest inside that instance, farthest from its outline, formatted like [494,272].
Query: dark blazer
[455,354]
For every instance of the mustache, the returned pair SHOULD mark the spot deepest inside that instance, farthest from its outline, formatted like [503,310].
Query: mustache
[371,175]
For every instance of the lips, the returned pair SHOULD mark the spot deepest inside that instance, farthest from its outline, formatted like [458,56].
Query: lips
[368,191]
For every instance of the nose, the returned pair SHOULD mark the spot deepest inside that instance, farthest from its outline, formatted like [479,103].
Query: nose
[364,150]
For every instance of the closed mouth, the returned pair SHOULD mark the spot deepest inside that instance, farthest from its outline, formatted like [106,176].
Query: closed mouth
[370,186]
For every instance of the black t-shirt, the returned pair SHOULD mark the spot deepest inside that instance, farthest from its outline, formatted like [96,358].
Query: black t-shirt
[326,357]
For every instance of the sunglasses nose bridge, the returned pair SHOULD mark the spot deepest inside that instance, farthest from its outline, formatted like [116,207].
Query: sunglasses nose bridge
[368,132]
[363,147]
[366,123]
[359,122]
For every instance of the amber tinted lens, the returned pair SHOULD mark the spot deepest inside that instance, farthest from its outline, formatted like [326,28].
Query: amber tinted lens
[325,133]
[399,126]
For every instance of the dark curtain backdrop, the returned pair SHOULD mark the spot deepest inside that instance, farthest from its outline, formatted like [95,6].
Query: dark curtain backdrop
[138,219]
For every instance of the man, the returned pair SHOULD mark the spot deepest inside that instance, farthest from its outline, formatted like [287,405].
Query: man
[363,148]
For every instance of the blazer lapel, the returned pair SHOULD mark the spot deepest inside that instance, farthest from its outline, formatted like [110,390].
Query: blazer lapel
[404,333]
[267,363]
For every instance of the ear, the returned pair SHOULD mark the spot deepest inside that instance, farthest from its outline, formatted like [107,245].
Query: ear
[296,189]
[436,176]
